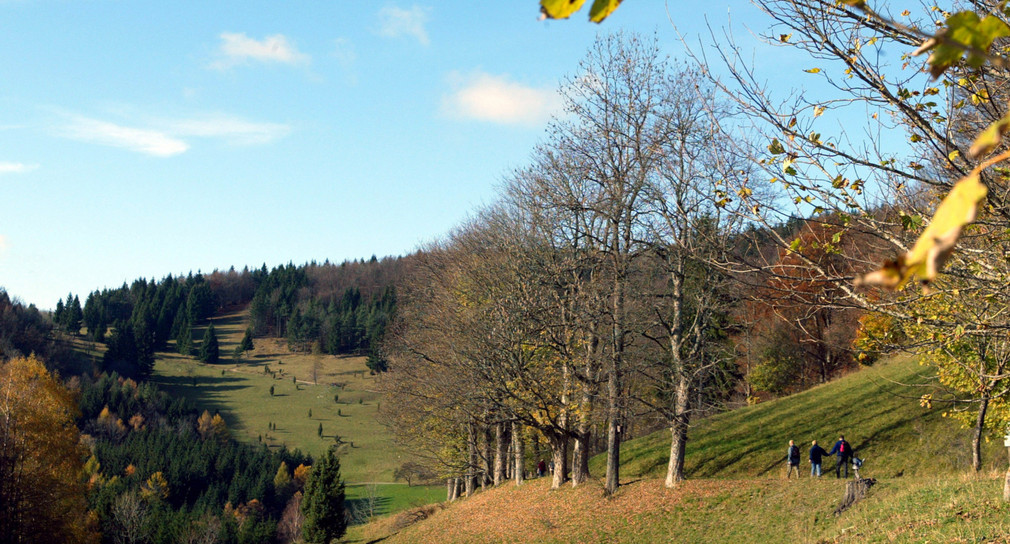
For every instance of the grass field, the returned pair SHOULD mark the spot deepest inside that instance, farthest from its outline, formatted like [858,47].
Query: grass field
[735,491]
[240,391]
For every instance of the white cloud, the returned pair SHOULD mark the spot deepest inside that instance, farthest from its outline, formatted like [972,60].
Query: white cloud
[397,22]
[16,167]
[497,99]
[237,48]
[234,130]
[147,141]
[165,136]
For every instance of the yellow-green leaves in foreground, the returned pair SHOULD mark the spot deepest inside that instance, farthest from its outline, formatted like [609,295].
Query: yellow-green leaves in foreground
[963,34]
[937,242]
[563,9]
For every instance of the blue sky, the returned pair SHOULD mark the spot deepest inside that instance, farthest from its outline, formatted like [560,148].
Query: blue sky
[142,138]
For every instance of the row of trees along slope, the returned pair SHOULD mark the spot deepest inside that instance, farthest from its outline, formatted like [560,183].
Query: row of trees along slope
[613,249]
[587,296]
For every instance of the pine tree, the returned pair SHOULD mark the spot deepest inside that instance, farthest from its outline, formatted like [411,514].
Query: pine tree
[58,314]
[209,349]
[247,341]
[73,315]
[184,341]
[323,503]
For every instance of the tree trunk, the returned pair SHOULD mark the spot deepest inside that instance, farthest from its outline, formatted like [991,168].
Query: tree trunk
[501,453]
[682,389]
[613,434]
[580,455]
[488,461]
[976,441]
[520,452]
[559,456]
[678,432]
[1006,483]
[471,465]
[450,489]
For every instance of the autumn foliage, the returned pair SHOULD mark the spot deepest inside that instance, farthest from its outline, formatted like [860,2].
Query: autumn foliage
[41,459]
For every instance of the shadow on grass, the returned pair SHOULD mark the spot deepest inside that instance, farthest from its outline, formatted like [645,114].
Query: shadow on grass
[366,506]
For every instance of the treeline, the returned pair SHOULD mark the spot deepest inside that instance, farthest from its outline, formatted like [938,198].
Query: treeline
[326,308]
[162,472]
[23,329]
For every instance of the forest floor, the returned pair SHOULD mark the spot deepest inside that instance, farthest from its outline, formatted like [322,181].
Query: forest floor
[736,490]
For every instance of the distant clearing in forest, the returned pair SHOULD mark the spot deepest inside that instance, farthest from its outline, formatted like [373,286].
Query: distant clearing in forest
[240,391]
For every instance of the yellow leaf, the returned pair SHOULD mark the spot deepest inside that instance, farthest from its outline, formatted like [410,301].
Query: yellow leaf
[560,9]
[602,9]
[936,243]
[812,70]
[989,138]
[818,110]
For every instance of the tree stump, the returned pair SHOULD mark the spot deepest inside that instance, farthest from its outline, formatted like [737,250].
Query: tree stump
[855,491]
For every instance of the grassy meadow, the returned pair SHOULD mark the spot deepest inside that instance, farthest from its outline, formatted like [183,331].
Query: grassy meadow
[736,491]
[339,392]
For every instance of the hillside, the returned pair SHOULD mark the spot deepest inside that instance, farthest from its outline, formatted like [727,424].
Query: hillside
[736,491]
[341,399]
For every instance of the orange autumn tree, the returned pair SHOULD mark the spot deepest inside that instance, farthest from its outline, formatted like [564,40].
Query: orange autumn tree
[804,322]
[41,460]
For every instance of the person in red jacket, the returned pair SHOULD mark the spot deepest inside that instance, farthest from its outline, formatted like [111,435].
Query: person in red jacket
[844,452]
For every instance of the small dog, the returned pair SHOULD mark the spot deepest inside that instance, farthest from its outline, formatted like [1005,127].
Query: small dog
[857,463]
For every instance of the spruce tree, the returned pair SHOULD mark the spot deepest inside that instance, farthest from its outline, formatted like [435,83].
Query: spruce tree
[323,503]
[184,341]
[247,341]
[73,315]
[209,349]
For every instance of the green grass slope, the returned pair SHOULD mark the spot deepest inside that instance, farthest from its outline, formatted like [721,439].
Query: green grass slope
[239,389]
[736,491]
[877,410]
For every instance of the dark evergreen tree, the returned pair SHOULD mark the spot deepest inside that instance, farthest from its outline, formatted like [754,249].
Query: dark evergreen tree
[73,316]
[209,348]
[376,363]
[58,314]
[184,341]
[247,341]
[323,502]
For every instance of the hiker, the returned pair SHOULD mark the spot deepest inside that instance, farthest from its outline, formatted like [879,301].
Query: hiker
[844,452]
[542,469]
[816,453]
[793,459]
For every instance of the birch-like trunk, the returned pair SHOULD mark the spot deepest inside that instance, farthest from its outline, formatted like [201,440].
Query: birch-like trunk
[501,453]
[519,449]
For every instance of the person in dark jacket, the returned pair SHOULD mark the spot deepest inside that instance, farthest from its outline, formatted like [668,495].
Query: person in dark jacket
[844,452]
[816,455]
[793,460]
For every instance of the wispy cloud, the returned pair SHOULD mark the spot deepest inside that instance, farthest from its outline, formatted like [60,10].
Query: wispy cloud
[16,167]
[347,56]
[498,99]
[141,140]
[237,48]
[233,130]
[167,137]
[397,22]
